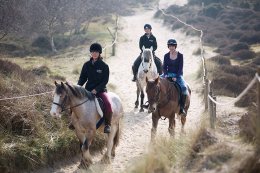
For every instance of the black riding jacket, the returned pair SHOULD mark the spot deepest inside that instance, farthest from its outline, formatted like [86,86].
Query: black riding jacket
[148,42]
[96,75]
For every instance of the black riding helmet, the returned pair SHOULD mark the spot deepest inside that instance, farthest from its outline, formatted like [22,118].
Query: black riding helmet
[147,26]
[172,42]
[95,47]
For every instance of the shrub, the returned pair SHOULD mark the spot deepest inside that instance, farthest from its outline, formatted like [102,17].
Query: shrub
[244,5]
[239,71]
[251,38]
[61,42]
[41,71]
[212,10]
[243,55]
[235,35]
[221,60]
[257,27]
[248,125]
[256,60]
[239,46]
[42,42]
[257,6]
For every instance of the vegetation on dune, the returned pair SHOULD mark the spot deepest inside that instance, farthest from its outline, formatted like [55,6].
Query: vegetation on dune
[232,27]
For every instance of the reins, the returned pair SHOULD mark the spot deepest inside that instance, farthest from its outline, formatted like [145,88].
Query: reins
[64,102]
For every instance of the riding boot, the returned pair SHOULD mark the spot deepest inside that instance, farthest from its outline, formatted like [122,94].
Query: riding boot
[182,105]
[107,117]
[134,73]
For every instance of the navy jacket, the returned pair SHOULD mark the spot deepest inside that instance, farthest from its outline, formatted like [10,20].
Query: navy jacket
[96,75]
[148,42]
[173,66]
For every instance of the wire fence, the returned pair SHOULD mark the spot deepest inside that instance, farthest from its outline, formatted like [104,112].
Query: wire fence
[210,100]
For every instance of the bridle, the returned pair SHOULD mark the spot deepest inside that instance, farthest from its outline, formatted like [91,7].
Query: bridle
[148,62]
[157,95]
[63,104]
[156,99]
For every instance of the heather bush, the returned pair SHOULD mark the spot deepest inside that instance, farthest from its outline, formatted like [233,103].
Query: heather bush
[221,60]
[212,10]
[243,55]
[253,38]
[239,46]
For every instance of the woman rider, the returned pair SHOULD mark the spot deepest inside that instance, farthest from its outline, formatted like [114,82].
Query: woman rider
[173,69]
[96,73]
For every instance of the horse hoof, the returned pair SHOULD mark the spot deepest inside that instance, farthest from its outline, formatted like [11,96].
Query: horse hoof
[106,159]
[83,165]
[141,110]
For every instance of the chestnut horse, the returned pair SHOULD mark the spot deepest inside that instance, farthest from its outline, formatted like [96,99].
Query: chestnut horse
[86,112]
[164,101]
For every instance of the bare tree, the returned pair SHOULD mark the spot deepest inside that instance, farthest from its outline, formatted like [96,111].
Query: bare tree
[11,18]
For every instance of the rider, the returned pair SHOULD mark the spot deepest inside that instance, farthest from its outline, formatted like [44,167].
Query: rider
[147,40]
[96,73]
[173,68]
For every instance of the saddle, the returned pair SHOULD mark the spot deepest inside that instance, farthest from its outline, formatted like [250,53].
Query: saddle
[102,106]
[178,87]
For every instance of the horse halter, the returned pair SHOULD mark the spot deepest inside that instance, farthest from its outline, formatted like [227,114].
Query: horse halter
[147,62]
[157,95]
[63,104]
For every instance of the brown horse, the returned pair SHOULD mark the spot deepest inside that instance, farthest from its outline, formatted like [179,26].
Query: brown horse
[163,101]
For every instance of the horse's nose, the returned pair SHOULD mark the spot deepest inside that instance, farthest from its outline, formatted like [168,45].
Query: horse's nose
[151,109]
[145,71]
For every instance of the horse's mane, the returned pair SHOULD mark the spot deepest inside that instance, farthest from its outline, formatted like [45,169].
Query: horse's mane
[170,88]
[80,92]
[148,53]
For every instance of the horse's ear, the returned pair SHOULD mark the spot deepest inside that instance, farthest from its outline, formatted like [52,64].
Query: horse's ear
[62,84]
[151,48]
[55,83]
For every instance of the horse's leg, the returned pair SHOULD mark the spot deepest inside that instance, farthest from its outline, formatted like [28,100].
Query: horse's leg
[116,140]
[137,96]
[155,119]
[110,142]
[86,157]
[142,101]
[171,124]
[183,118]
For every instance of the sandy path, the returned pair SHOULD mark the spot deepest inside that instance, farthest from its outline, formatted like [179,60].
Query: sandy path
[136,131]
[136,126]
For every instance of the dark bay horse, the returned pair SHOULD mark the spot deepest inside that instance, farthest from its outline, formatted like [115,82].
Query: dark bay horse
[163,101]
[147,69]
[86,112]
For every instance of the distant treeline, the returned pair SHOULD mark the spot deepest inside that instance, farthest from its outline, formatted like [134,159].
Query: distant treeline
[31,18]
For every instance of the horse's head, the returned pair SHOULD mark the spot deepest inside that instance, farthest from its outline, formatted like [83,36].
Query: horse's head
[153,93]
[147,58]
[60,100]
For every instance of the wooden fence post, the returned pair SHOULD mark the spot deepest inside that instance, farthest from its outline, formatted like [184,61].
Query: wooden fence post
[214,109]
[206,92]
[210,110]
[258,112]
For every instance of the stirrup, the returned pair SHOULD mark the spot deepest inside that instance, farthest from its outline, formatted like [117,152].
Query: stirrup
[107,129]
[146,105]
[182,112]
